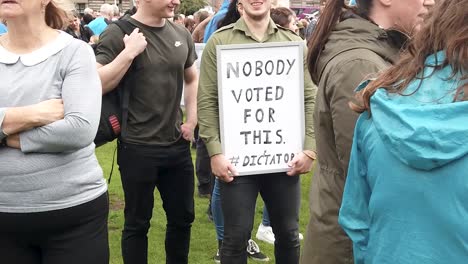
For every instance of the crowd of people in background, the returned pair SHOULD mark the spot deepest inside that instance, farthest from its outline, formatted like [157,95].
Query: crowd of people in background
[385,91]
[93,23]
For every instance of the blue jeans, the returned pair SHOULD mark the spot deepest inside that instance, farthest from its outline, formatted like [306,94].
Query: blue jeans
[281,194]
[217,212]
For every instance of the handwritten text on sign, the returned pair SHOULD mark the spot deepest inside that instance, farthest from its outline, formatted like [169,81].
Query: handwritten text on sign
[261,105]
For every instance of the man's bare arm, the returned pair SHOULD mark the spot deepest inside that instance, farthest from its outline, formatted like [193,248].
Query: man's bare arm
[111,74]
[190,101]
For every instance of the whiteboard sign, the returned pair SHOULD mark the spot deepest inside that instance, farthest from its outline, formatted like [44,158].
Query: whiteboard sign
[261,105]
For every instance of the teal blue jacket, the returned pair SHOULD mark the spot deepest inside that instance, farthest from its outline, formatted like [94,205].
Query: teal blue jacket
[212,26]
[406,194]
[3,29]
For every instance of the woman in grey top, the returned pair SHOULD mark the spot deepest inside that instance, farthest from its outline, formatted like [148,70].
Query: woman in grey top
[53,198]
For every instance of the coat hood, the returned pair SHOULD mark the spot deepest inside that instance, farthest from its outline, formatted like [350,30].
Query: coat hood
[425,128]
[354,32]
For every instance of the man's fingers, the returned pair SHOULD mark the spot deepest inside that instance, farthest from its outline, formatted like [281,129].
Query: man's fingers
[295,166]
[226,178]
[232,170]
[293,172]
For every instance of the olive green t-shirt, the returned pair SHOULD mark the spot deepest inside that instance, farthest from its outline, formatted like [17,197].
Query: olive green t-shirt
[155,81]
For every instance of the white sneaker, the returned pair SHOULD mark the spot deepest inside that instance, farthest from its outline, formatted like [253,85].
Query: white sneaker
[301,237]
[217,258]
[253,252]
[265,233]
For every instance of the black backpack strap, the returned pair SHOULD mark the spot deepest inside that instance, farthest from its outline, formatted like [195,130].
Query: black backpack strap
[125,25]
[125,102]
[127,28]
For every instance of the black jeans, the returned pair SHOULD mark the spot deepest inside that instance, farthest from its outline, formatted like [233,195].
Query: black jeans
[204,175]
[281,194]
[170,169]
[74,235]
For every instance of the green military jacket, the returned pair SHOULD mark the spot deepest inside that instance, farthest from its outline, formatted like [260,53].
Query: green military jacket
[356,49]
[208,112]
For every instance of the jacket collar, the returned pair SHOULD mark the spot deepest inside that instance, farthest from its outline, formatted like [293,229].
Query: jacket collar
[395,37]
[39,55]
[240,25]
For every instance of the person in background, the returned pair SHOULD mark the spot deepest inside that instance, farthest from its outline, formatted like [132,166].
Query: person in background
[234,12]
[54,202]
[301,29]
[302,25]
[86,19]
[189,24]
[313,22]
[78,31]
[88,11]
[216,5]
[212,25]
[99,24]
[285,17]
[179,19]
[202,17]
[406,191]
[115,13]
[347,46]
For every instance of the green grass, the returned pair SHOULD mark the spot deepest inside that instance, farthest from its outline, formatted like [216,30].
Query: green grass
[203,244]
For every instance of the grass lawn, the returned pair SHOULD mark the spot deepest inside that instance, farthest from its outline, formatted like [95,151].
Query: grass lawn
[203,243]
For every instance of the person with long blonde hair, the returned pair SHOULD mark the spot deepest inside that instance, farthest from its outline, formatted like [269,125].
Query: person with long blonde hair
[406,191]
[53,198]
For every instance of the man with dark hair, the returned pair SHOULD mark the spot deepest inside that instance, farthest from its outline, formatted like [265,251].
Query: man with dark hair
[87,18]
[154,151]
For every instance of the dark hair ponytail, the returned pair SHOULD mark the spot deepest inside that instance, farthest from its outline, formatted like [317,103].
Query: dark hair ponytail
[330,15]
[363,8]
[327,20]
[55,16]
[231,16]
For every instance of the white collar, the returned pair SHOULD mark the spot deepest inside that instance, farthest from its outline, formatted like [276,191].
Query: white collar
[37,56]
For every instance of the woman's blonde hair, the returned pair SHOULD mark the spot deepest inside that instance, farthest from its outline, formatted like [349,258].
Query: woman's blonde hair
[56,13]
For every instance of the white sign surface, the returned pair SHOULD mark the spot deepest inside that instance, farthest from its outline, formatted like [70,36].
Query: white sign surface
[199,50]
[261,105]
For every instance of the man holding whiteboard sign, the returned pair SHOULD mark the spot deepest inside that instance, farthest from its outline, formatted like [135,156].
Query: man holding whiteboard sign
[255,105]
